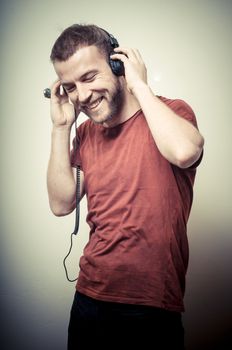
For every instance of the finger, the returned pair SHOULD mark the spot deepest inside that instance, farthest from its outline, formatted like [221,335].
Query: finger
[138,55]
[129,52]
[55,87]
[57,90]
[120,57]
[125,51]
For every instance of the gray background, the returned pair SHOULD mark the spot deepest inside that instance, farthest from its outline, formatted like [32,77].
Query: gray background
[187,49]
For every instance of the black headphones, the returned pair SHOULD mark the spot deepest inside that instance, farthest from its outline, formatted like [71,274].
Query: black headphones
[117,66]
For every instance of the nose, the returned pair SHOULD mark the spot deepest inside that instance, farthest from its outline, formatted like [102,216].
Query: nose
[83,94]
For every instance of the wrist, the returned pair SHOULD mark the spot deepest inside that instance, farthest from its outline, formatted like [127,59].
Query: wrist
[61,128]
[139,87]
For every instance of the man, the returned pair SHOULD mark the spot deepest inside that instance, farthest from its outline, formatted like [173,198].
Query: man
[138,155]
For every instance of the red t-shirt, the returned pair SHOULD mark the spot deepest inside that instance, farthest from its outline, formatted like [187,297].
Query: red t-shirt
[138,207]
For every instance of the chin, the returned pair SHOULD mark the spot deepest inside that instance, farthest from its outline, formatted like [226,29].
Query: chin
[101,119]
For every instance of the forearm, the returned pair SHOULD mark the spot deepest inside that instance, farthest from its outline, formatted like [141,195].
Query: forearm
[60,178]
[176,138]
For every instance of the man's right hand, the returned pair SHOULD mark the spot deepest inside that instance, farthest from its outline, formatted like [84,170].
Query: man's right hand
[63,113]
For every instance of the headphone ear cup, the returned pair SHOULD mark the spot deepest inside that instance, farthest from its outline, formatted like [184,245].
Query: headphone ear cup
[117,67]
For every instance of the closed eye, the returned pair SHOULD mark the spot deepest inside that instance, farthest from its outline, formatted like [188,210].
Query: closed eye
[88,78]
[89,75]
[69,88]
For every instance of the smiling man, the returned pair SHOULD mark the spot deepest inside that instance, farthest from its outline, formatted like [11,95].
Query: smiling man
[138,154]
[87,78]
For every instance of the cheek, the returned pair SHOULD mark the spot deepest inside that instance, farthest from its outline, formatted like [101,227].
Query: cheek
[72,98]
[106,79]
[105,84]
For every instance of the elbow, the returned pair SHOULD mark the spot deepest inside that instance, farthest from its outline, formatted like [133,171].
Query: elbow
[59,213]
[186,158]
[59,209]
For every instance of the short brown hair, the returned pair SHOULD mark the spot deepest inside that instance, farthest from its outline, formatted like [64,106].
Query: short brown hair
[77,36]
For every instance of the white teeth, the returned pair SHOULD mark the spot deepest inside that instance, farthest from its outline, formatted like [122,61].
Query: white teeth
[94,104]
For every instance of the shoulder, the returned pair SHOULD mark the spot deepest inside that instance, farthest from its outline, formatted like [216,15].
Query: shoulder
[180,107]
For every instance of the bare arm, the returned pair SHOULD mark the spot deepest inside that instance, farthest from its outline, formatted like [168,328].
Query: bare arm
[177,139]
[61,182]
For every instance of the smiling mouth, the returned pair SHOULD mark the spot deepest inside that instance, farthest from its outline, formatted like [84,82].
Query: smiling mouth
[94,104]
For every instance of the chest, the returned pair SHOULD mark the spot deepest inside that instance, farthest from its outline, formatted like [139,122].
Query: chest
[121,156]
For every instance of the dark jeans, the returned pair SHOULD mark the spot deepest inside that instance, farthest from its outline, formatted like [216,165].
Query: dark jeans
[106,325]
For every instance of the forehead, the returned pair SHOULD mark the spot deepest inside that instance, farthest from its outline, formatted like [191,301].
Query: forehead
[83,60]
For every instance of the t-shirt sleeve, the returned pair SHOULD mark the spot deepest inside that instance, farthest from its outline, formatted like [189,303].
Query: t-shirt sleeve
[183,109]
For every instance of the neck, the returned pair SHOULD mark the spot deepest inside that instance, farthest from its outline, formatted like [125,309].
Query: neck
[130,106]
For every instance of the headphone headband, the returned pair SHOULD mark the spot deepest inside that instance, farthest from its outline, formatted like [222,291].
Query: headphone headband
[113,40]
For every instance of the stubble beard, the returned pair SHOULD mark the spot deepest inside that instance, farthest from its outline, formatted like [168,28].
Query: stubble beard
[115,105]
